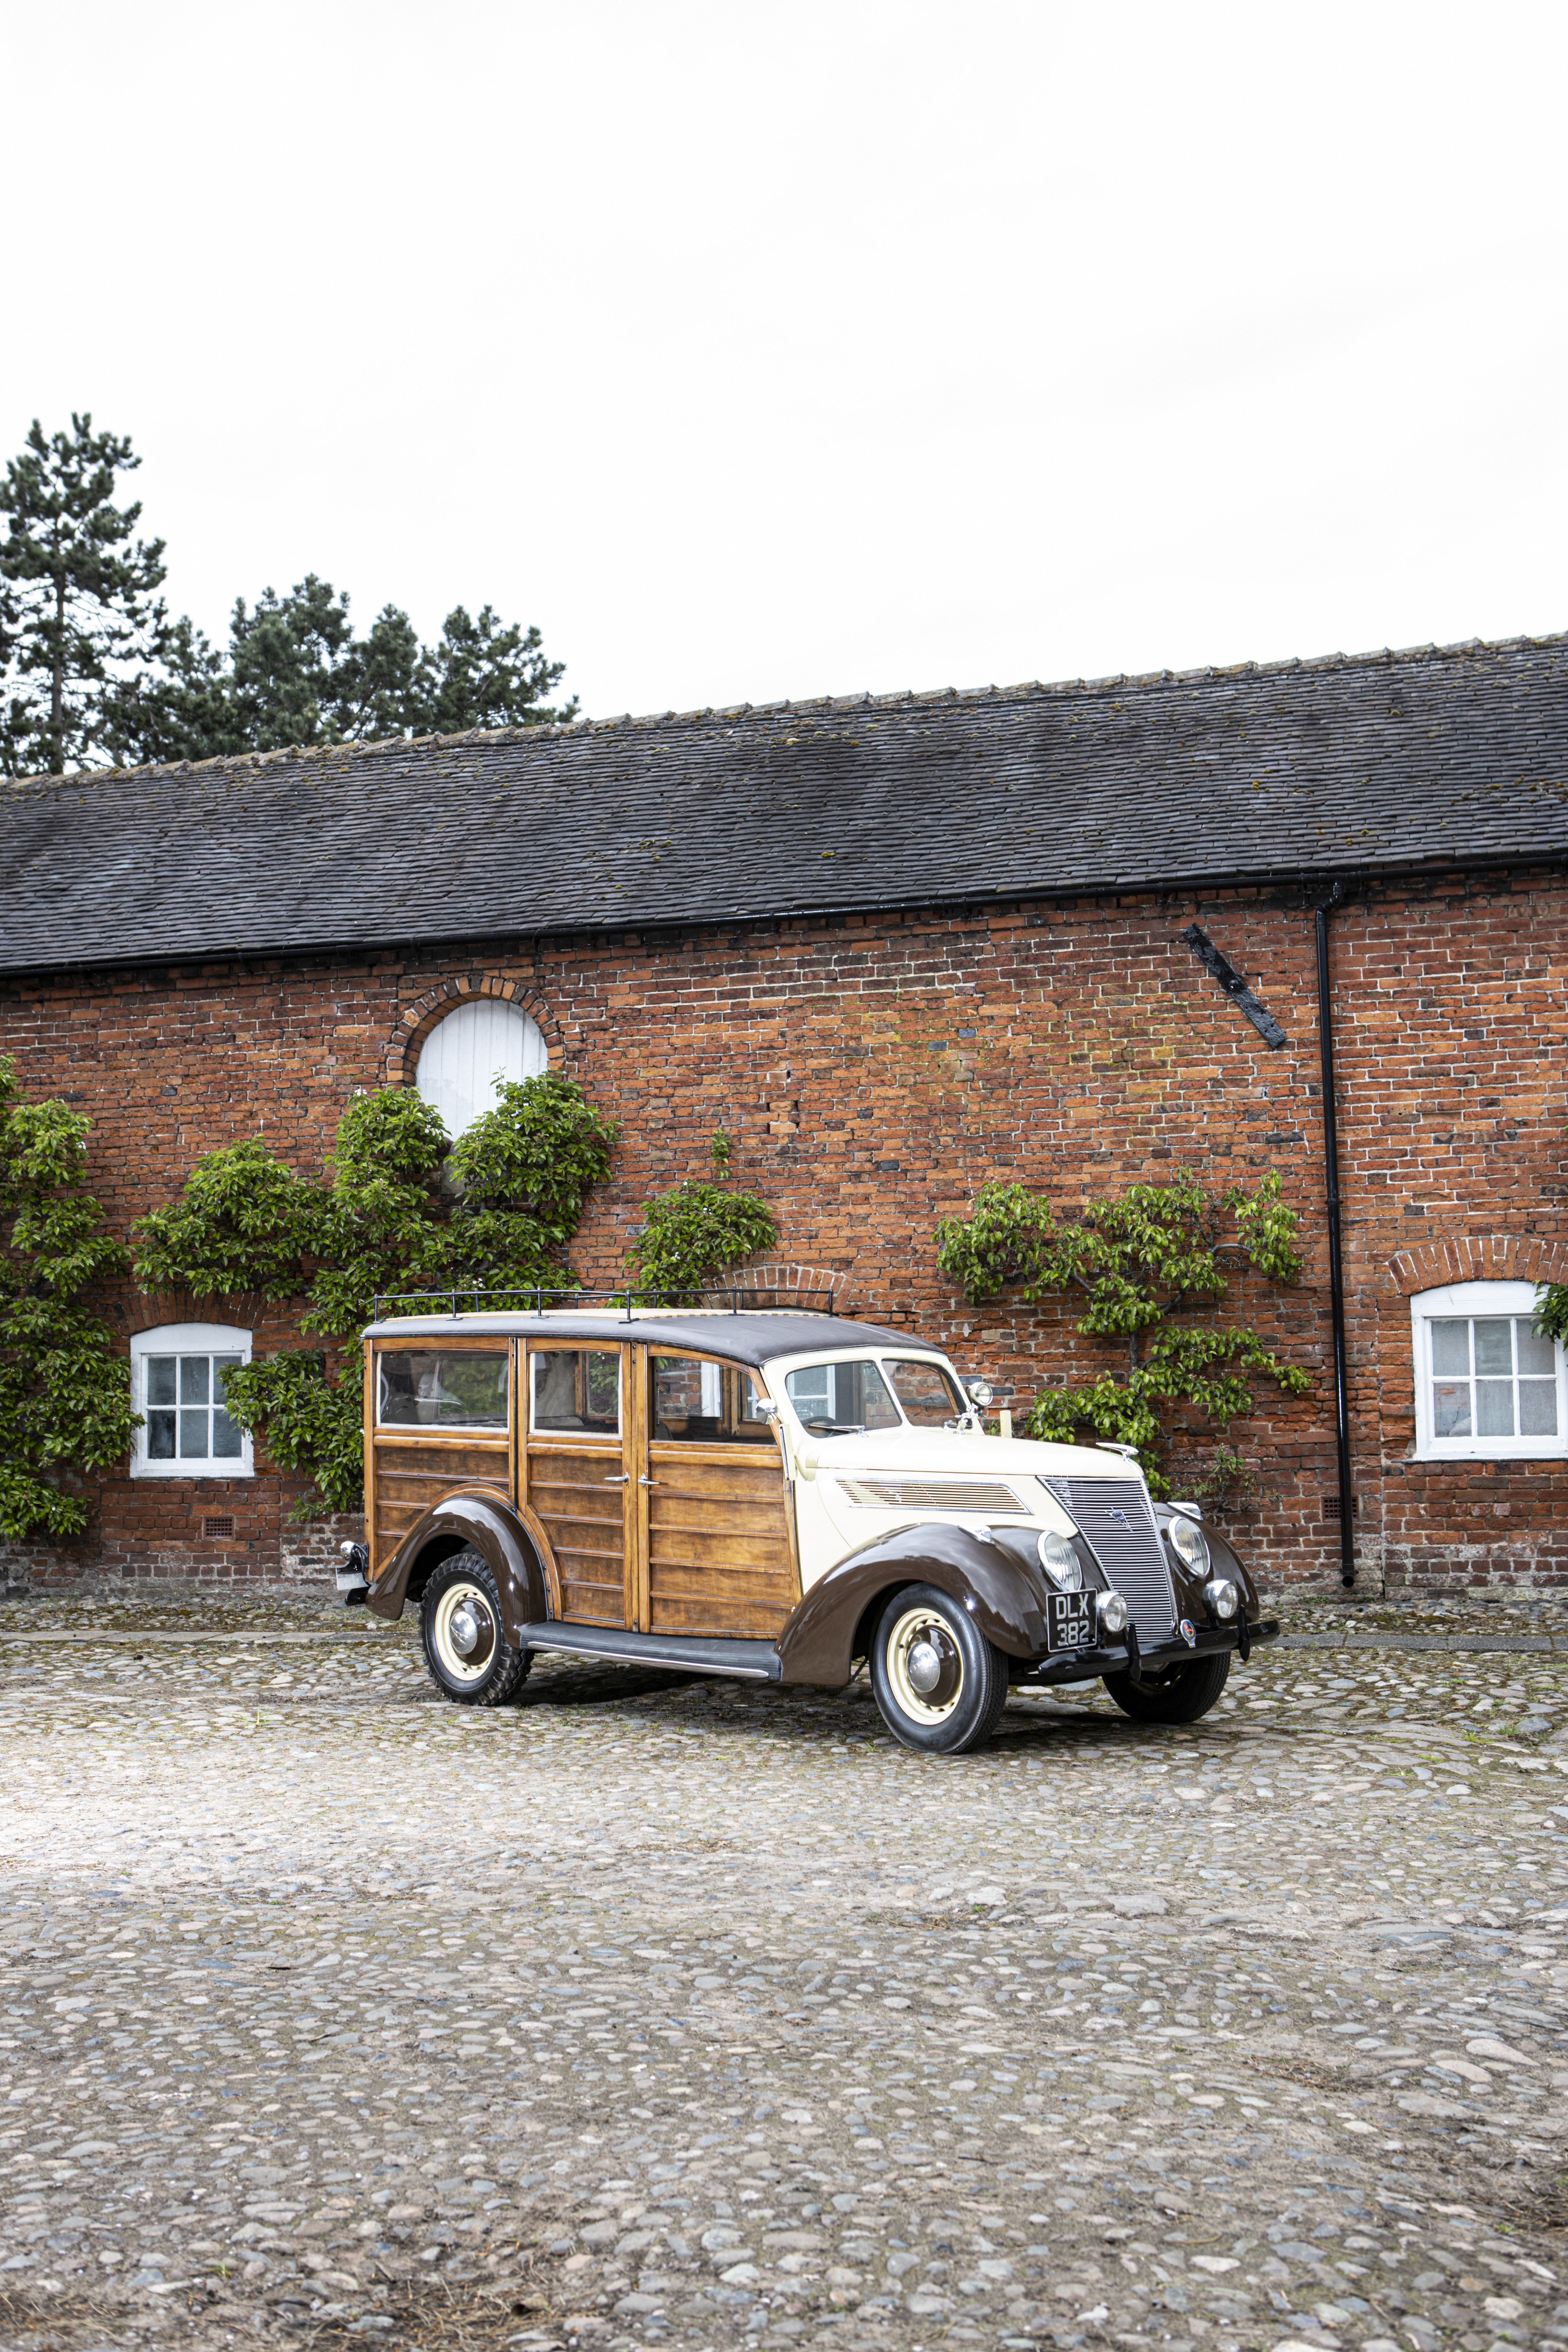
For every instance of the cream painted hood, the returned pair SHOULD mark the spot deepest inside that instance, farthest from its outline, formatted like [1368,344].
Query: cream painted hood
[955,1454]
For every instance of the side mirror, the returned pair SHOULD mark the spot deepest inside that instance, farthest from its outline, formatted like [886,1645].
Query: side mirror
[765,1410]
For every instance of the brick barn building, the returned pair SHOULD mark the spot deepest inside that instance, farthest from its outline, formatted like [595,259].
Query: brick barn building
[894,946]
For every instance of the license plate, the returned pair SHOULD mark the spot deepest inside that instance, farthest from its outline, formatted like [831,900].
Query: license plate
[1069,1621]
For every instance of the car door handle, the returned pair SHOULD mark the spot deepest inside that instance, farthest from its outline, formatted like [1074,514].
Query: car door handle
[624,1480]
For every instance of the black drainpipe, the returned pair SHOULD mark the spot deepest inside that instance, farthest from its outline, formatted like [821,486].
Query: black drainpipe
[1336,1265]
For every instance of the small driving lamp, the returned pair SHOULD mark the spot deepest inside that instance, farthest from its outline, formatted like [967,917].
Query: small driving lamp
[1112,1609]
[1222,1597]
[979,1392]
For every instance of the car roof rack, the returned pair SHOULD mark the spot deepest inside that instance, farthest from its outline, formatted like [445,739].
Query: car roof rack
[647,1301]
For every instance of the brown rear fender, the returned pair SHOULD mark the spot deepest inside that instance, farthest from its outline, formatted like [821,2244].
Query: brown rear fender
[509,1541]
[832,1625]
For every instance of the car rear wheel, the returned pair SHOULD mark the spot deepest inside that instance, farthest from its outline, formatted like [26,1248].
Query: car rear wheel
[939,1682]
[1179,1698]
[465,1647]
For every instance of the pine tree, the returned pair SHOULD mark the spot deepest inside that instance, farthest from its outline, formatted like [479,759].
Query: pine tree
[78,613]
[296,674]
[482,673]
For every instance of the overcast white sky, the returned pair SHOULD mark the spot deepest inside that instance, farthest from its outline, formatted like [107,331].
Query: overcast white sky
[759,352]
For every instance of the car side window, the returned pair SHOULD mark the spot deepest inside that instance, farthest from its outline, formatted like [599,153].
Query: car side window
[576,1390]
[837,1399]
[710,1403]
[445,1388]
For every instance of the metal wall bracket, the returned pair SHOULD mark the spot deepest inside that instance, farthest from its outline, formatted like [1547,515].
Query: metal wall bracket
[1234,986]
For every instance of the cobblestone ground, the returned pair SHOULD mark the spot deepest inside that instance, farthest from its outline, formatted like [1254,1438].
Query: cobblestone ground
[662,2011]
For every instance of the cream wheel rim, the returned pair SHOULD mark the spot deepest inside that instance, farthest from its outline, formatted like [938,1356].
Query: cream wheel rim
[464,1665]
[917,1631]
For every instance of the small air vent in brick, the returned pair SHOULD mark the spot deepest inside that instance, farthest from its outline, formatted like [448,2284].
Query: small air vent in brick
[215,1524]
[1331,1507]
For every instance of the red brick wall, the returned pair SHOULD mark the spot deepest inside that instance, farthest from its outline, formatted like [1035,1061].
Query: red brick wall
[871,1072]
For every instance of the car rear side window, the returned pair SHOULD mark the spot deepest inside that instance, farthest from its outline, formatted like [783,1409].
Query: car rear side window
[577,1390]
[444,1387]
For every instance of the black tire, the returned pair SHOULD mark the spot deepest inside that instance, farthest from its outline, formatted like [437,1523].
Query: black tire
[1180,1697]
[488,1674]
[962,1707]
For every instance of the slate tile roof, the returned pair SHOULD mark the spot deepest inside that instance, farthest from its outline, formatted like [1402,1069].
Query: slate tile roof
[1386,761]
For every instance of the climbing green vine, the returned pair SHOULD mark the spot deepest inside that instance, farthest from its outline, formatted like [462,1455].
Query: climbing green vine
[1153,1252]
[402,1210]
[65,1392]
[696,1233]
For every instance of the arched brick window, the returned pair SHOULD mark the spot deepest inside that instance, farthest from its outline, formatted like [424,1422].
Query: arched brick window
[483,1043]
[455,1040]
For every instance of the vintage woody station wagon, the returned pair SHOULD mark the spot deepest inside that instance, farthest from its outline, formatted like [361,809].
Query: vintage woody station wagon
[777,1496]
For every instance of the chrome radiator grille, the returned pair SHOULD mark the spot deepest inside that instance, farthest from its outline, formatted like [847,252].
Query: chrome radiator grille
[1132,1556]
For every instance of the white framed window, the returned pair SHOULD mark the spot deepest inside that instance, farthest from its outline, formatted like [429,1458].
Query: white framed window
[468,1051]
[1489,1385]
[176,1385]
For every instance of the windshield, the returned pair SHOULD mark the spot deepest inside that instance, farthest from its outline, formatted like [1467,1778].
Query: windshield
[928,1393]
[843,1400]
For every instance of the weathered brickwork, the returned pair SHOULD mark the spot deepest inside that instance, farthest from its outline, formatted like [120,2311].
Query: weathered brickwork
[871,1072]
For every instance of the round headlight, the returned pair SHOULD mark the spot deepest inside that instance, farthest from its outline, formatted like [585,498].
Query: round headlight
[1222,1596]
[1190,1545]
[1061,1561]
[1113,1614]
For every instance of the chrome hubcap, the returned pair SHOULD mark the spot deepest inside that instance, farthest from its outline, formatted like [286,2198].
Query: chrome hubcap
[924,1666]
[463,1633]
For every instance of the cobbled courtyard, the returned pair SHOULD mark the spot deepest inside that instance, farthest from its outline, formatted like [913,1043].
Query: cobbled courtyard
[655,2010]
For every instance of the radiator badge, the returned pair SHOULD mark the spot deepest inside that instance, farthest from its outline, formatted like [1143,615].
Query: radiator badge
[1120,1518]
[1189,1632]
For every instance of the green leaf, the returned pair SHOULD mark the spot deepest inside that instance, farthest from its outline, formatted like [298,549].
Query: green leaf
[1551,1309]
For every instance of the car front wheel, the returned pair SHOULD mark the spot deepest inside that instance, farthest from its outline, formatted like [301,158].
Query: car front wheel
[465,1647]
[1179,1698]
[939,1682]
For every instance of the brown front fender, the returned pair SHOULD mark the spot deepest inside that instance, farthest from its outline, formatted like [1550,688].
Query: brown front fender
[515,1552]
[830,1627]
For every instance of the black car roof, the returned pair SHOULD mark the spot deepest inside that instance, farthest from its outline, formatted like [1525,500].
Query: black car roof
[744,1339]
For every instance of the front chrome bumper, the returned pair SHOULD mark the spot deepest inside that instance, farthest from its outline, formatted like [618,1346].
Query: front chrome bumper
[1120,1657]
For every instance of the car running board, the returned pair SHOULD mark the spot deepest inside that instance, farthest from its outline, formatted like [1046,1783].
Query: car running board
[757,1662]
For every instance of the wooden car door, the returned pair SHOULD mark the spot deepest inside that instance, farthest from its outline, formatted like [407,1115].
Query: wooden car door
[714,1543]
[573,1475]
[439,1418]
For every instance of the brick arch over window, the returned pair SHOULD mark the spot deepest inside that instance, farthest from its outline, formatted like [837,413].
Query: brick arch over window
[420,1017]
[767,1279]
[1478,1258]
